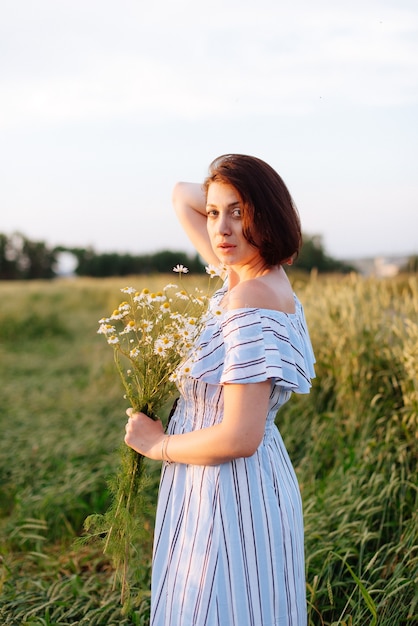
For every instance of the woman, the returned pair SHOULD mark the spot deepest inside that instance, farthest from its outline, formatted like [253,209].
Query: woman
[228,547]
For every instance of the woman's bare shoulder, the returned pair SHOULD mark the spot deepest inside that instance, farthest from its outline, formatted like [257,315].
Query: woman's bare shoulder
[256,293]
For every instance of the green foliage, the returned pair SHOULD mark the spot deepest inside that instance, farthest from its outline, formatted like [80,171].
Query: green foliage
[313,256]
[411,265]
[90,263]
[31,326]
[352,440]
[121,531]
[357,457]
[21,258]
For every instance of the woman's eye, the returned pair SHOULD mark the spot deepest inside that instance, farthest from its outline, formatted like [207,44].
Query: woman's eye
[237,212]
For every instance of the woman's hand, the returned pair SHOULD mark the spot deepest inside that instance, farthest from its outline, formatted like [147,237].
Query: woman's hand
[144,434]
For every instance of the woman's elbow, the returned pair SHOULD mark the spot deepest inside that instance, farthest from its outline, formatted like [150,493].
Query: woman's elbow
[177,195]
[245,447]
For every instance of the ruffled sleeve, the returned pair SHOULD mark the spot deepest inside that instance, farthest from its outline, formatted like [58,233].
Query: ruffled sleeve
[263,344]
[253,345]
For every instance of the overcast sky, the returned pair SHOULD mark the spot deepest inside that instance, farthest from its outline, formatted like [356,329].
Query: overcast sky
[104,105]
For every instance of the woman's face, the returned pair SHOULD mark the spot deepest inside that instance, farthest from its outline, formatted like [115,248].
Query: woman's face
[224,208]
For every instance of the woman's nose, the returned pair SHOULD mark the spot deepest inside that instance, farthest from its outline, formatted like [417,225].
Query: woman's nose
[223,225]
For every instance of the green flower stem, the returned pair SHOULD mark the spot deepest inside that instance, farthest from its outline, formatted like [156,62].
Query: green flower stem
[151,336]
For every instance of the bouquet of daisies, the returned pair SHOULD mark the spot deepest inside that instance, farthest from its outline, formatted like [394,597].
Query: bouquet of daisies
[151,333]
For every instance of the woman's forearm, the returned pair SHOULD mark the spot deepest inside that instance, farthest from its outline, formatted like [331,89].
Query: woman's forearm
[238,435]
[189,196]
[207,446]
[189,202]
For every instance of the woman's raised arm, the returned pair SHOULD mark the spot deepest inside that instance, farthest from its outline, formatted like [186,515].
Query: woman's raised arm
[189,201]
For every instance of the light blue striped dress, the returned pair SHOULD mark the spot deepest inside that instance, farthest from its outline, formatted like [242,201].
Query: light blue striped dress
[228,546]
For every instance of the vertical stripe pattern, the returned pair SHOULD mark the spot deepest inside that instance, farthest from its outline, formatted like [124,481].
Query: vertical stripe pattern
[228,546]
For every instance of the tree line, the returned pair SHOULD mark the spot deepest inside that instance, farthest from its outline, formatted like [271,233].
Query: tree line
[23,259]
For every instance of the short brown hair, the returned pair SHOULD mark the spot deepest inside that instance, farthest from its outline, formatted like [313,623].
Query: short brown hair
[270,218]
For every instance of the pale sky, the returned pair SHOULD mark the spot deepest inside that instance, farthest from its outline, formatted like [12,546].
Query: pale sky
[104,105]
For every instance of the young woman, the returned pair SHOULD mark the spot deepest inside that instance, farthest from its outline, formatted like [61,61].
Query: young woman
[228,547]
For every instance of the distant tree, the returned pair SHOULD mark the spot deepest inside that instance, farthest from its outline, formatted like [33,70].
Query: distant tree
[113,264]
[84,257]
[21,258]
[38,260]
[165,260]
[411,266]
[313,256]
[8,261]
[105,264]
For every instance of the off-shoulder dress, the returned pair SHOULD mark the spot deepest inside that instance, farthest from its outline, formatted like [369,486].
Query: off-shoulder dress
[228,544]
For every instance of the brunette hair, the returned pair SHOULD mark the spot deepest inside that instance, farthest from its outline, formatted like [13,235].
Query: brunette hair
[270,218]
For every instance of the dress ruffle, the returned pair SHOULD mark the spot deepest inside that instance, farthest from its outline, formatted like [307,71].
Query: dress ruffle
[253,345]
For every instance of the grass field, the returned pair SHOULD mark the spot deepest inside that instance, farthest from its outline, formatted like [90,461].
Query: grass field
[353,442]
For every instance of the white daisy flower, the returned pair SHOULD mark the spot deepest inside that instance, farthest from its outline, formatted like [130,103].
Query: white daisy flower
[213,270]
[106,329]
[156,297]
[140,297]
[146,326]
[180,269]
[160,349]
[164,341]
[116,315]
[130,326]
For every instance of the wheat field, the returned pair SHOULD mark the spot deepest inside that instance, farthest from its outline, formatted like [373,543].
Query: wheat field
[353,442]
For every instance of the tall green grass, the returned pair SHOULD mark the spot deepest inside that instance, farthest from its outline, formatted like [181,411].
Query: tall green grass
[353,441]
